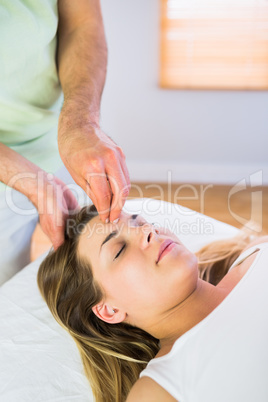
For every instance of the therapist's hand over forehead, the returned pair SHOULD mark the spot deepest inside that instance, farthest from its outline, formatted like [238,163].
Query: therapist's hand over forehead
[96,164]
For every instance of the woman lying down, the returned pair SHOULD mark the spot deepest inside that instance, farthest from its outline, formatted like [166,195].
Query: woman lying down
[130,294]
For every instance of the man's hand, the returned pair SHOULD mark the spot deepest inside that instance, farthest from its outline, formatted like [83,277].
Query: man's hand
[96,164]
[50,196]
[54,202]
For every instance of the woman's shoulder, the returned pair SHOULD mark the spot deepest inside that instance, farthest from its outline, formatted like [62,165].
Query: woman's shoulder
[148,390]
[242,264]
[256,241]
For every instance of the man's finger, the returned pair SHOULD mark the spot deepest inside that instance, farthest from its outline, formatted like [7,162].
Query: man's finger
[120,190]
[101,194]
[58,242]
[56,235]
[126,172]
[91,195]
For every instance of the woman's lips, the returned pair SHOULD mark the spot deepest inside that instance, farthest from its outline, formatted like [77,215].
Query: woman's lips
[165,248]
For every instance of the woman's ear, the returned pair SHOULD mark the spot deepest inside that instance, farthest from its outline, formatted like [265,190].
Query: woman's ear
[108,314]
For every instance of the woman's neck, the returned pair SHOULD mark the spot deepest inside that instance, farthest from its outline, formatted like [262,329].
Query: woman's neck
[204,299]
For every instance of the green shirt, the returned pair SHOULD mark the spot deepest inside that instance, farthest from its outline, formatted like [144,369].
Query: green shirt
[30,92]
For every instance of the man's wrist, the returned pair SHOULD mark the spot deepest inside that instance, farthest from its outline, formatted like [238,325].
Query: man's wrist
[76,114]
[80,104]
[36,187]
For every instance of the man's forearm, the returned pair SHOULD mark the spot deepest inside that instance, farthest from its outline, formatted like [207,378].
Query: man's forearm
[82,64]
[19,173]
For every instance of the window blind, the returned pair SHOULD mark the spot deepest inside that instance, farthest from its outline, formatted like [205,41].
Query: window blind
[214,44]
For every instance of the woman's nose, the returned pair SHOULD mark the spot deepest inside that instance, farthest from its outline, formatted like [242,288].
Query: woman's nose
[148,234]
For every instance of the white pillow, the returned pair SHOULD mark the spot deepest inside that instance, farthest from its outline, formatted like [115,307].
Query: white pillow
[39,361]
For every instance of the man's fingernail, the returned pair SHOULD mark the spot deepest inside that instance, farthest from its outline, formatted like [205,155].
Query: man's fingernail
[116,221]
[107,220]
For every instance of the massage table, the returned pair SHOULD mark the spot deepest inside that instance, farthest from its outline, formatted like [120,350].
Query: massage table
[39,361]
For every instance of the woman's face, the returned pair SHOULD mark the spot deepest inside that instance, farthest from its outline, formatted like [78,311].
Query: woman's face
[139,275]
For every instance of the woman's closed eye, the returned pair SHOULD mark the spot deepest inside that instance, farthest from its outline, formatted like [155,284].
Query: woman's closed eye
[141,223]
[119,252]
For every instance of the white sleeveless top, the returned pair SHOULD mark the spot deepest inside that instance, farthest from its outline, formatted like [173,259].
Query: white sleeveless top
[224,357]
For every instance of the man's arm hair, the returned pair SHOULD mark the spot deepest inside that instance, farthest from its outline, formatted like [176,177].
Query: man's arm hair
[82,55]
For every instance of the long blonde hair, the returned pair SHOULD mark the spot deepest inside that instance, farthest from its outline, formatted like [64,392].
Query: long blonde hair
[113,355]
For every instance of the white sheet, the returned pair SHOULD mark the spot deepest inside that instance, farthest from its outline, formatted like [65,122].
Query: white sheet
[39,361]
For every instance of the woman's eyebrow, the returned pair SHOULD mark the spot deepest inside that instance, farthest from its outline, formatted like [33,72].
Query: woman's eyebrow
[115,232]
[110,236]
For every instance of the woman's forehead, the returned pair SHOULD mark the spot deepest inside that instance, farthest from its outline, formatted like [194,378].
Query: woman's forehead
[95,232]
[124,217]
